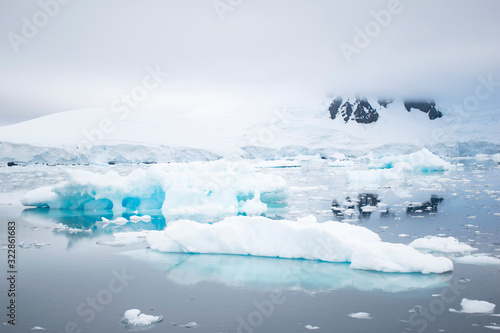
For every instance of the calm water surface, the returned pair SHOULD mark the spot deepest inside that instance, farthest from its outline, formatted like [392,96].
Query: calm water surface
[73,284]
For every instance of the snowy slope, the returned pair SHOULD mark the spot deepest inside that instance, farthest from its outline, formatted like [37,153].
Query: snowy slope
[101,135]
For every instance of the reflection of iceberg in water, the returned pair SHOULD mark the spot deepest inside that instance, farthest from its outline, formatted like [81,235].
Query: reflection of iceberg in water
[427,207]
[280,274]
[76,224]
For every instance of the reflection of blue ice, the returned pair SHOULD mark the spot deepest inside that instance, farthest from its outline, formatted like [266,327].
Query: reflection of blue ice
[280,274]
[91,220]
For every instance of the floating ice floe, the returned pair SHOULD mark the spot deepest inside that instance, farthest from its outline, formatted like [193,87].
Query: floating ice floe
[474,306]
[477,260]
[118,221]
[441,244]
[360,315]
[144,218]
[206,188]
[192,324]
[38,328]
[311,327]
[304,239]
[134,317]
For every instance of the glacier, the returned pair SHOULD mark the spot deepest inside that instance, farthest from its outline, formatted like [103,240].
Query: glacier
[302,239]
[214,188]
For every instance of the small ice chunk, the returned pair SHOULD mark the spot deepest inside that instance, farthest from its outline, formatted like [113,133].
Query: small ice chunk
[38,328]
[493,327]
[311,327]
[403,235]
[441,244]
[144,218]
[360,315]
[474,306]
[134,317]
[368,209]
[192,324]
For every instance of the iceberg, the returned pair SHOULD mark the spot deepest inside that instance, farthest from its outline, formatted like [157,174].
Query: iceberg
[420,162]
[392,169]
[302,239]
[198,188]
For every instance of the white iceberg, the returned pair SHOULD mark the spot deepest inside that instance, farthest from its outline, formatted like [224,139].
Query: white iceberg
[134,317]
[304,239]
[422,161]
[474,306]
[441,244]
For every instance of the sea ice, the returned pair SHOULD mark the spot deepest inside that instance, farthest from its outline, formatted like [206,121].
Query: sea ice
[134,317]
[441,244]
[304,239]
[474,306]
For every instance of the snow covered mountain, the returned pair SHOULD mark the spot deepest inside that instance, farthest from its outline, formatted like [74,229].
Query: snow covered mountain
[143,136]
[360,110]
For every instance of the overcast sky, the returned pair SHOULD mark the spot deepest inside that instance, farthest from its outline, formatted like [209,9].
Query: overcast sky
[287,51]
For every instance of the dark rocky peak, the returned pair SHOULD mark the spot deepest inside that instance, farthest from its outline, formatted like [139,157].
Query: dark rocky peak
[358,109]
[426,106]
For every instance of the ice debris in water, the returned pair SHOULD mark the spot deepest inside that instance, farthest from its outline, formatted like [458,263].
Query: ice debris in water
[134,317]
[474,306]
[311,327]
[303,239]
[217,188]
[360,315]
[144,218]
[192,324]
